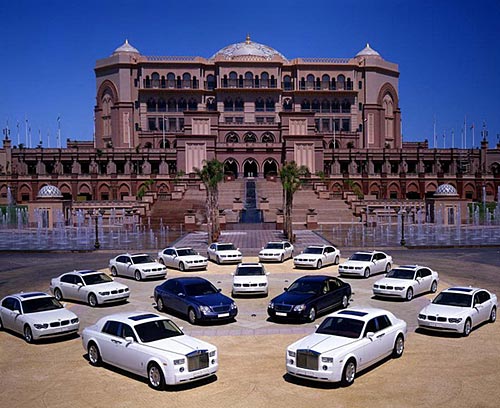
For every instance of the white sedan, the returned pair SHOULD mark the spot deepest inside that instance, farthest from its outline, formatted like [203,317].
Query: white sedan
[182,258]
[276,251]
[317,256]
[89,286]
[138,266]
[458,310]
[347,342]
[407,281]
[250,278]
[36,315]
[366,263]
[151,346]
[224,253]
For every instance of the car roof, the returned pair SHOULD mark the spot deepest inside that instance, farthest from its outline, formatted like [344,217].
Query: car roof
[133,317]
[82,272]
[249,264]
[318,246]
[360,313]
[315,277]
[29,295]
[223,243]
[278,242]
[188,279]
[462,289]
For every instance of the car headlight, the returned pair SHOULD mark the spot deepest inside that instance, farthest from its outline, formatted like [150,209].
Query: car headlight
[233,306]
[422,316]
[204,309]
[358,267]
[104,293]
[375,286]
[299,308]
[41,325]
[146,270]
[455,319]
[126,289]
[327,359]
[270,305]
[179,361]
[212,353]
[399,288]
[75,320]
[291,353]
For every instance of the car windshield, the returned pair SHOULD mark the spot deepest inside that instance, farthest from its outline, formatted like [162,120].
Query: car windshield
[41,305]
[341,326]
[274,245]
[157,330]
[313,250]
[141,259]
[401,274]
[361,257]
[305,286]
[453,299]
[186,251]
[225,247]
[249,271]
[96,278]
[200,289]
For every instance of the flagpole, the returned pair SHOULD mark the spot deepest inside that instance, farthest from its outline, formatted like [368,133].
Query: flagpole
[473,128]
[59,132]
[26,129]
[452,138]
[465,131]
[444,139]
[18,137]
[435,141]
[48,138]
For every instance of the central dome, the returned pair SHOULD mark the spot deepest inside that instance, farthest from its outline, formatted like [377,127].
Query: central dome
[446,190]
[49,191]
[247,49]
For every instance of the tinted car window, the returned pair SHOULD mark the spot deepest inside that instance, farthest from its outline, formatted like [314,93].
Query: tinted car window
[127,332]
[334,284]
[371,326]
[8,303]
[383,322]
[483,296]
[68,279]
[425,272]
[169,285]
[122,259]
[111,327]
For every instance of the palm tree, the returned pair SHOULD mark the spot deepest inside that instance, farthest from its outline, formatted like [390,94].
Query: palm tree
[211,175]
[290,175]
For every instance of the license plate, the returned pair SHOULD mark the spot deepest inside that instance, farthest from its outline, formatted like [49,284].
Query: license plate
[223,315]
[280,314]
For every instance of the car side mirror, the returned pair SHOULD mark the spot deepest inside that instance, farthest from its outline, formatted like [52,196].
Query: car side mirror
[17,312]
[267,273]
[232,273]
[285,289]
[370,335]
[129,340]
[237,249]
[219,290]
[180,294]
[79,284]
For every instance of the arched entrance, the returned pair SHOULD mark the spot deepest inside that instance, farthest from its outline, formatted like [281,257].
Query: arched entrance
[250,168]
[231,168]
[270,168]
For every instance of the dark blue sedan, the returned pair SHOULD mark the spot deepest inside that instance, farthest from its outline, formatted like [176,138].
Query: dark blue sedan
[309,296]
[196,298]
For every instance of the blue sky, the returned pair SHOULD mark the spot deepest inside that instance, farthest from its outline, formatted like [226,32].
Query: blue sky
[448,53]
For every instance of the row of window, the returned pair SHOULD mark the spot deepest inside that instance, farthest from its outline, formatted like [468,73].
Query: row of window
[333,125]
[250,137]
[172,105]
[259,120]
[167,124]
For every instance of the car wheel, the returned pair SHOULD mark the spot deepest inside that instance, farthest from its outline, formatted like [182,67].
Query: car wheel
[493,316]
[137,276]
[28,334]
[114,272]
[282,258]
[312,314]
[161,261]
[58,294]
[467,328]
[160,305]
[218,260]
[92,300]
[345,302]
[181,267]
[367,273]
[155,377]
[399,347]
[409,294]
[348,373]
[191,316]
[387,267]
[94,354]
[337,260]
[434,287]
[1,324]
[319,265]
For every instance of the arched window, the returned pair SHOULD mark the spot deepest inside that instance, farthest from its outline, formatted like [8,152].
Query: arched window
[325,82]
[318,84]
[335,106]
[259,105]
[163,82]
[166,146]
[170,80]
[172,105]
[186,80]
[225,82]
[305,105]
[240,81]
[346,106]
[334,144]
[302,84]
[264,80]
[228,105]
[248,80]
[147,82]
[178,81]
[232,138]
[162,105]
[325,105]
[211,104]
[340,82]
[270,105]
[151,105]
[106,103]
[181,105]
[273,81]
[388,106]
[334,84]
[348,84]
[210,82]
[257,81]
[250,138]
[287,83]
[287,104]
[268,137]
[315,105]
[233,78]
[148,145]
[310,81]
[155,79]
[238,105]
[193,104]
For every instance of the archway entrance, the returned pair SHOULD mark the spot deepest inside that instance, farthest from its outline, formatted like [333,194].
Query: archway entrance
[270,168]
[231,168]
[250,168]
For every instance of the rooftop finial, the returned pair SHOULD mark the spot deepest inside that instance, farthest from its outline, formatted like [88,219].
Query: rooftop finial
[248,39]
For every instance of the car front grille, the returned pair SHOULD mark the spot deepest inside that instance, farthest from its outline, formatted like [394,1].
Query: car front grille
[282,308]
[221,308]
[307,359]
[386,287]
[58,324]
[197,360]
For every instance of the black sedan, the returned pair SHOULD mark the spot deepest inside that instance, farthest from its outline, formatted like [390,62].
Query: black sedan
[309,296]
[196,298]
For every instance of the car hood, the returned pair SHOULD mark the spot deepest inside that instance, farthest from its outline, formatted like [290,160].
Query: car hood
[214,299]
[321,343]
[107,286]
[308,256]
[149,265]
[444,310]
[394,282]
[192,258]
[251,279]
[271,251]
[50,315]
[181,345]
[357,263]
[290,298]
[229,252]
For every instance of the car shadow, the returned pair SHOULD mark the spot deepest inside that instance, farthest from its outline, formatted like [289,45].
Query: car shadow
[400,300]
[42,341]
[100,305]
[168,388]
[183,317]
[444,334]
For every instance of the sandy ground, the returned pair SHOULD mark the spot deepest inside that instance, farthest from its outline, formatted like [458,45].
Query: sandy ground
[435,370]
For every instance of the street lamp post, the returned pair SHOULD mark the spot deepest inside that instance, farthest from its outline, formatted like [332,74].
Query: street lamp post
[95,215]
[403,241]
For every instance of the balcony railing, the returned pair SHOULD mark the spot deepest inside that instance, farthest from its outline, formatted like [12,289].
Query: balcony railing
[170,84]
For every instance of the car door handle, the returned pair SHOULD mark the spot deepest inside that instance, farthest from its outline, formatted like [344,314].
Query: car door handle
[116,341]
[380,335]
